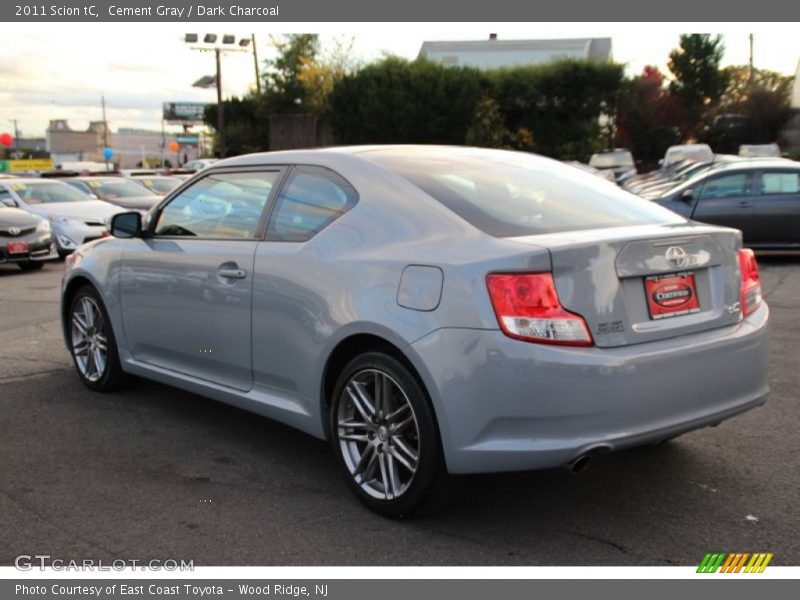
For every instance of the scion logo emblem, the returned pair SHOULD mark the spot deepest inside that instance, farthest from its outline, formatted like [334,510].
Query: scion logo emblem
[676,257]
[14,230]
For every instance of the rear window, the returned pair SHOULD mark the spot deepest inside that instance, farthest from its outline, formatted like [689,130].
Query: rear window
[509,194]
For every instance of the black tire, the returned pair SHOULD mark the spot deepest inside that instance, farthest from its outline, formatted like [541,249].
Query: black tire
[31,265]
[112,377]
[431,485]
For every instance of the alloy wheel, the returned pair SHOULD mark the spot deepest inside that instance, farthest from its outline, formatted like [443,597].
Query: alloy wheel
[378,434]
[89,339]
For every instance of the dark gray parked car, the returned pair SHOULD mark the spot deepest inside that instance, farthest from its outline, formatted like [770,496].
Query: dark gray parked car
[759,197]
[432,311]
[25,239]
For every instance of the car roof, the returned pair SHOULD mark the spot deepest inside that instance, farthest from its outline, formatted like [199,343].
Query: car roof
[756,163]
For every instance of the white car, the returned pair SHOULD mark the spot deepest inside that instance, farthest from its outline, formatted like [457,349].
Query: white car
[74,218]
[760,150]
[199,164]
[695,152]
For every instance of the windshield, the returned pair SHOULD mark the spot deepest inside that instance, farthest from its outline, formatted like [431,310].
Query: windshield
[609,160]
[508,194]
[160,185]
[111,189]
[47,192]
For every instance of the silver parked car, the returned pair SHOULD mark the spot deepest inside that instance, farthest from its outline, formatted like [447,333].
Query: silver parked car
[119,191]
[74,217]
[432,311]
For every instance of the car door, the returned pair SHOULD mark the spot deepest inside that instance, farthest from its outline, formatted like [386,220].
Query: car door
[186,287]
[294,292]
[726,199]
[777,207]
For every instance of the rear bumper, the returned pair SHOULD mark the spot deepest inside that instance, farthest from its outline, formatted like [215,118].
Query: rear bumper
[505,405]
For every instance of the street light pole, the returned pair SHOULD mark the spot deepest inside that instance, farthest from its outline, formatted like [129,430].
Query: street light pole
[220,107]
[211,40]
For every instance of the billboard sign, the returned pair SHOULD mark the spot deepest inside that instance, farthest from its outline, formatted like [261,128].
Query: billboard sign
[184,112]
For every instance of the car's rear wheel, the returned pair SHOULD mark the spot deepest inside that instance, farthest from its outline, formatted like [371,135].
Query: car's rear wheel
[30,265]
[385,437]
[92,343]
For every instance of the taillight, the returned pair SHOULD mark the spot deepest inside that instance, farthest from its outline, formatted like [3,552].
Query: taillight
[751,281]
[527,308]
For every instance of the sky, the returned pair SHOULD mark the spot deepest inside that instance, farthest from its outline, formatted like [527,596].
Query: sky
[53,70]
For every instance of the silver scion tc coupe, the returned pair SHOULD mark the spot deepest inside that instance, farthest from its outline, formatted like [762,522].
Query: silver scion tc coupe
[431,311]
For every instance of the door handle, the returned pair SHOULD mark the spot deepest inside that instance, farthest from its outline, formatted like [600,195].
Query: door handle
[744,203]
[232,273]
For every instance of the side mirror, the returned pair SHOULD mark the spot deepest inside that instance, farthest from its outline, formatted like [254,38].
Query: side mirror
[126,225]
[687,195]
[660,162]
[9,202]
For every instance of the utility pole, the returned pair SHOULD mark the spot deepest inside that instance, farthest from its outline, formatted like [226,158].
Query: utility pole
[16,137]
[255,62]
[752,75]
[105,129]
[220,107]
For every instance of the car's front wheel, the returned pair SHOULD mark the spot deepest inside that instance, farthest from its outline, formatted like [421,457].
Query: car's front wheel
[385,437]
[92,343]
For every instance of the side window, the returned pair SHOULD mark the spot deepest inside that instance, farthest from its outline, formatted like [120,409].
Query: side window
[221,205]
[726,186]
[311,199]
[777,182]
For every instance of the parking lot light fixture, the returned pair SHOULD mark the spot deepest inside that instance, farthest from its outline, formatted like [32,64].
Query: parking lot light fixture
[227,43]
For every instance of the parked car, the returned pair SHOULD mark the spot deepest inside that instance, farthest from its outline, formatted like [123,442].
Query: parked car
[119,191]
[199,164]
[620,161]
[760,150]
[429,310]
[75,219]
[607,174]
[696,152]
[760,197]
[25,239]
[157,184]
[658,187]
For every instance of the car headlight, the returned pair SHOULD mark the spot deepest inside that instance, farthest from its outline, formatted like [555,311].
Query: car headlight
[60,220]
[43,226]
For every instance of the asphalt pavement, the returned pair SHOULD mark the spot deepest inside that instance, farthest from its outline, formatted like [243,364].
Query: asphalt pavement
[156,473]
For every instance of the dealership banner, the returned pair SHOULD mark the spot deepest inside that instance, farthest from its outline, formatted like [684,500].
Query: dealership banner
[386,589]
[298,11]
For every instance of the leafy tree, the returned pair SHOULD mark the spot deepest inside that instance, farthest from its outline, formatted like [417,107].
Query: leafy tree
[284,91]
[560,103]
[648,116]
[740,83]
[318,75]
[755,108]
[400,101]
[698,81]
[488,128]
[245,129]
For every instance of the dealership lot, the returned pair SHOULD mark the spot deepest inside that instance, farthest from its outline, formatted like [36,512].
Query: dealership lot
[156,473]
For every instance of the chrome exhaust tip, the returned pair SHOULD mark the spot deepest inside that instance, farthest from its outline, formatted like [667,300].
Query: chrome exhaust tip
[580,464]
